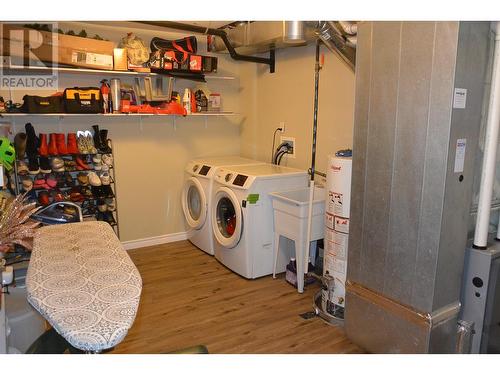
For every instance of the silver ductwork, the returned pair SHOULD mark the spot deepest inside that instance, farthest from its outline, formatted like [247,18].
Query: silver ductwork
[262,36]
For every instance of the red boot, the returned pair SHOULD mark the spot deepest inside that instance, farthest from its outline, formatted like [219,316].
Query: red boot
[72,145]
[43,149]
[53,144]
[61,144]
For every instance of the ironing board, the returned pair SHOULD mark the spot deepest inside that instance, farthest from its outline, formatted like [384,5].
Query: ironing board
[82,281]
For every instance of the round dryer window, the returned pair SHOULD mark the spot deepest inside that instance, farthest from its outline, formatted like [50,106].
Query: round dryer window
[226,217]
[194,202]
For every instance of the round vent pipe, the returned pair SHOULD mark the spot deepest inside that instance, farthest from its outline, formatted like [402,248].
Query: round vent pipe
[294,32]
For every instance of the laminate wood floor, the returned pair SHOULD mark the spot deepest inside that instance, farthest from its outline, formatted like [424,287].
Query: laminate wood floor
[189,298]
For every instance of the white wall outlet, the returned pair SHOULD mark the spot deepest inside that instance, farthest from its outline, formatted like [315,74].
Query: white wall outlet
[282,126]
[291,142]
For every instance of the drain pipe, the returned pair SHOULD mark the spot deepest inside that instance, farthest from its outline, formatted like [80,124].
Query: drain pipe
[490,152]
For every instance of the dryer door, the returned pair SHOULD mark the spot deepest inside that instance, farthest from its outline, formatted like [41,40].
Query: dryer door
[194,203]
[227,219]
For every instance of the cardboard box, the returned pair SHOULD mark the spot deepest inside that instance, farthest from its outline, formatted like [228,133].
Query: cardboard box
[120,59]
[58,48]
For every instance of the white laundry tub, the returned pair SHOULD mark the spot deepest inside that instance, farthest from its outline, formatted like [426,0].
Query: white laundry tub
[291,209]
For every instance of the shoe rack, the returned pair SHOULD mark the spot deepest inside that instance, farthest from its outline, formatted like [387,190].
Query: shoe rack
[89,197]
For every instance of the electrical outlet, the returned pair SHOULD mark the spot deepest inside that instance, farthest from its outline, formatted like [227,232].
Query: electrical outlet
[282,126]
[291,142]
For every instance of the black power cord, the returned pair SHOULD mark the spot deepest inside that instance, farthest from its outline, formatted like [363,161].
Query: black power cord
[274,139]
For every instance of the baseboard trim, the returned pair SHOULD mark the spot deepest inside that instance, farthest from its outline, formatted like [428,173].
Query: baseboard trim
[156,240]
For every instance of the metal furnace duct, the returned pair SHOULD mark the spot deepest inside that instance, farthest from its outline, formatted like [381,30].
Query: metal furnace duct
[419,95]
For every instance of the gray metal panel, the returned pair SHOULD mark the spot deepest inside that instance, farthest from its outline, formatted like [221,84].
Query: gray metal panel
[443,337]
[379,157]
[378,331]
[363,78]
[436,156]
[472,60]
[417,41]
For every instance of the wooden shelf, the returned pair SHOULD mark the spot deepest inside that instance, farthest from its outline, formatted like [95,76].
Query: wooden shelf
[198,114]
[40,69]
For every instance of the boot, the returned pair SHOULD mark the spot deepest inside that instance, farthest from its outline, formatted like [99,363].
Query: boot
[31,141]
[53,144]
[72,145]
[61,144]
[20,145]
[103,135]
[44,147]
[96,137]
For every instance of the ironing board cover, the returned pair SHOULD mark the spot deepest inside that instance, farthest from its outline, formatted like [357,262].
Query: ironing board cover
[84,283]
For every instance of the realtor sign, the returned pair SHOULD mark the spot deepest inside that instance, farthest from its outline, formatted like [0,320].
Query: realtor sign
[26,56]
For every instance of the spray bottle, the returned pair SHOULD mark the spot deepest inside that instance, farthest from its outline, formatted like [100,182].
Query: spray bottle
[105,95]
[186,101]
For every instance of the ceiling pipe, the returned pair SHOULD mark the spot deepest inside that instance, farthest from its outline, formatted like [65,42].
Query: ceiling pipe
[294,32]
[350,28]
[333,38]
[221,34]
[490,153]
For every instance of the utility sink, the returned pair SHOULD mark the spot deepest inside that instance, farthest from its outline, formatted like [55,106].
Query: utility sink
[296,202]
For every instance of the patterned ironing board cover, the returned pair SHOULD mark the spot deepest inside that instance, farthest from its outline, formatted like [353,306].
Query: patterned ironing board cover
[84,283]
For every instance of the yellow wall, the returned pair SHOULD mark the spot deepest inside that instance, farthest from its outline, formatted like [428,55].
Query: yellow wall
[288,96]
[150,157]
[151,153]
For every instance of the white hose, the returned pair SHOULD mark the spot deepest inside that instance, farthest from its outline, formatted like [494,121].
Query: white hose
[490,152]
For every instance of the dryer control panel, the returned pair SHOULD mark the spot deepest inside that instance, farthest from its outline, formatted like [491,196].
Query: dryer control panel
[229,178]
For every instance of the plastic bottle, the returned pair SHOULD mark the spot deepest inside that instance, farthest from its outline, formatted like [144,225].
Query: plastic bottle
[186,101]
[105,95]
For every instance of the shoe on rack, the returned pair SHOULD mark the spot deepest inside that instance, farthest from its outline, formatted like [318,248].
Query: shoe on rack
[81,142]
[40,182]
[80,164]
[57,196]
[20,145]
[104,168]
[96,137]
[32,141]
[109,218]
[111,203]
[105,178]
[70,165]
[33,167]
[75,195]
[44,164]
[104,142]
[98,192]
[94,179]
[107,159]
[51,180]
[61,181]
[72,145]
[68,179]
[44,198]
[83,179]
[86,192]
[57,164]
[101,205]
[53,144]
[43,148]
[89,141]
[27,183]
[107,191]
[22,168]
[61,144]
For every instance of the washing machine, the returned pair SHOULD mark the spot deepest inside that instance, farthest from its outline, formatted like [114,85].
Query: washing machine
[196,197]
[242,216]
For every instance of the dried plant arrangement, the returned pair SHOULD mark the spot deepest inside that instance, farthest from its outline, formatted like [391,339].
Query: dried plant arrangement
[16,227]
